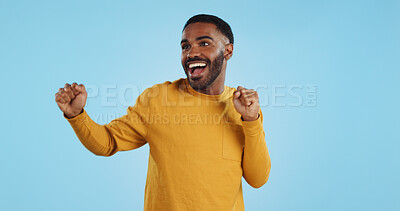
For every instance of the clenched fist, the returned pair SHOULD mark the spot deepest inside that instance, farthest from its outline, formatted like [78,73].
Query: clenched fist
[246,103]
[71,99]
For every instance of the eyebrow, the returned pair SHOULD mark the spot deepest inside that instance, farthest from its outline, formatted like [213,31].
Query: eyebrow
[198,38]
[205,37]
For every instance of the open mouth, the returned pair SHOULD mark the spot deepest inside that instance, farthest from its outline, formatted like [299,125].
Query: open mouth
[196,69]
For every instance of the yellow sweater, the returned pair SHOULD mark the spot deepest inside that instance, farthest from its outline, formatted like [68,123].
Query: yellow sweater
[199,147]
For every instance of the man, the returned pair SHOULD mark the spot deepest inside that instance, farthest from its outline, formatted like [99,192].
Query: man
[203,136]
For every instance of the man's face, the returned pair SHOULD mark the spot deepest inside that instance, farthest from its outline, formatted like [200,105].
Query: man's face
[203,49]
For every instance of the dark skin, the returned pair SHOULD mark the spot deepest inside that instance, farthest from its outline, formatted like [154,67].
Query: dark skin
[205,41]
[201,42]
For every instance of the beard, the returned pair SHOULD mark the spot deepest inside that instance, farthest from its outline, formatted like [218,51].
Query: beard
[215,68]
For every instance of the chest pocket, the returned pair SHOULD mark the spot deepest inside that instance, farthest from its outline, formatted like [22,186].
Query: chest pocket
[233,142]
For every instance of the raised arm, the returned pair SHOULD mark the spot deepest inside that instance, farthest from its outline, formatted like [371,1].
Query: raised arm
[121,134]
[256,160]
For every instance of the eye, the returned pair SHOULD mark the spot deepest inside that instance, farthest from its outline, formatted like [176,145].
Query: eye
[184,47]
[204,43]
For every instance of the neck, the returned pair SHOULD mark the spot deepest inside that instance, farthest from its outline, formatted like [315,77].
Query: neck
[217,87]
[212,90]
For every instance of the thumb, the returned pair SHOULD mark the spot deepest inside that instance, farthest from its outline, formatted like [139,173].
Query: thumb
[78,88]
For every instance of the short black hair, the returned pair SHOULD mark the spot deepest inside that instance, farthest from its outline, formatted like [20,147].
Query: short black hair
[222,26]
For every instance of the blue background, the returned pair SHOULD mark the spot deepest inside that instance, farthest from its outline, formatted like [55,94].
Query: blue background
[341,153]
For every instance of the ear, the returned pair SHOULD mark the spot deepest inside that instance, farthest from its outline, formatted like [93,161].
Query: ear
[228,51]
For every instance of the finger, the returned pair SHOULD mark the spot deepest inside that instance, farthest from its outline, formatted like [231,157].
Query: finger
[67,85]
[249,98]
[239,88]
[68,91]
[60,99]
[243,100]
[60,91]
[74,87]
[64,95]
[246,91]
[236,95]
[249,94]
[66,98]
[80,88]
[248,101]
[57,97]
[253,99]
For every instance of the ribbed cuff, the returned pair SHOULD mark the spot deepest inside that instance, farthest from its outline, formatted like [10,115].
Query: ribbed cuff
[78,118]
[252,127]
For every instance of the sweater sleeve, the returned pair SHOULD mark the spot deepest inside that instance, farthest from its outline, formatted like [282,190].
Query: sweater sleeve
[256,161]
[125,133]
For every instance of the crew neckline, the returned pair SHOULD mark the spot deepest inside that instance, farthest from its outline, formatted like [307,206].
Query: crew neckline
[206,96]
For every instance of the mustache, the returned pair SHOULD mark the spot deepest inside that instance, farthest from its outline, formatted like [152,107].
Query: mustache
[198,59]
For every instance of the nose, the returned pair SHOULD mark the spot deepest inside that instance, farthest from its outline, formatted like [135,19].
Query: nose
[193,52]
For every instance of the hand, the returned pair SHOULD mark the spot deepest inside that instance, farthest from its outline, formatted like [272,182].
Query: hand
[246,103]
[71,99]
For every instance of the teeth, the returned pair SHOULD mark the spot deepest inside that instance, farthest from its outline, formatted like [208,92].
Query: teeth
[197,65]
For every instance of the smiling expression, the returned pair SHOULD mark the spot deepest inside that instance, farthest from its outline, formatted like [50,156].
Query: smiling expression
[204,56]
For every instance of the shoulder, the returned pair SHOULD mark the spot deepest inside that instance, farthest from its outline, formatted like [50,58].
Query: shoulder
[230,90]
[158,90]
